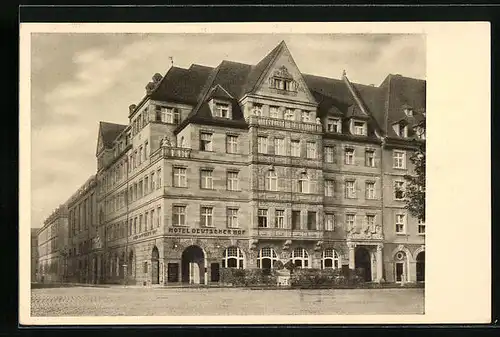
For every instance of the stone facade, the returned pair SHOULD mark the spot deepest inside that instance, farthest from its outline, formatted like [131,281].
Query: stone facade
[242,166]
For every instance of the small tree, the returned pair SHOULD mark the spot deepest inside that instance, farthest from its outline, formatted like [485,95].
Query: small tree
[415,189]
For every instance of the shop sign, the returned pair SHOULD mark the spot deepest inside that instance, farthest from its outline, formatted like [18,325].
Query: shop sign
[205,231]
[145,234]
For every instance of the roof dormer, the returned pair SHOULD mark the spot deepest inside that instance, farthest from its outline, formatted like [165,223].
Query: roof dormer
[401,128]
[220,102]
[358,127]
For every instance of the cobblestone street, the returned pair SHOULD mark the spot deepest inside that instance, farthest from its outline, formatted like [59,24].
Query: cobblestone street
[119,301]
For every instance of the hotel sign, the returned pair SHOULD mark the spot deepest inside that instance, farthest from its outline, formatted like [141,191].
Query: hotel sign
[145,234]
[205,231]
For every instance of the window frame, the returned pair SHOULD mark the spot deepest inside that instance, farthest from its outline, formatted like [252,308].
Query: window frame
[206,216]
[262,213]
[232,181]
[206,145]
[180,179]
[402,159]
[232,218]
[402,224]
[349,156]
[348,195]
[205,179]
[231,144]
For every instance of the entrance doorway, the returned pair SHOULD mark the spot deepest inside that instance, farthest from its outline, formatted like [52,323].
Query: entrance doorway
[399,271]
[173,272]
[363,263]
[155,266]
[421,267]
[214,272]
[193,265]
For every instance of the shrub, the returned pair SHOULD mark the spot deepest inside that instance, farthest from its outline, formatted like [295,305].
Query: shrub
[247,277]
[323,278]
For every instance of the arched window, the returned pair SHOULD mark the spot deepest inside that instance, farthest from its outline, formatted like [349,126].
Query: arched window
[233,258]
[331,259]
[300,258]
[266,258]
[303,183]
[271,181]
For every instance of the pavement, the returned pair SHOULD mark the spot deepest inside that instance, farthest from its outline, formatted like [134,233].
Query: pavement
[119,300]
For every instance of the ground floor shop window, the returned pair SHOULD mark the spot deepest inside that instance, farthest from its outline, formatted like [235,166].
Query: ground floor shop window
[300,258]
[233,258]
[331,259]
[266,258]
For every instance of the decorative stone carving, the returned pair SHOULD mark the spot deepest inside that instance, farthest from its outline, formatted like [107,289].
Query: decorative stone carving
[365,232]
[283,72]
[157,78]
[286,245]
[318,120]
[318,246]
[252,244]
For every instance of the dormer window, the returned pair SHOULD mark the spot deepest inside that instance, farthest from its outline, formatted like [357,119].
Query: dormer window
[333,125]
[282,80]
[222,110]
[359,128]
[401,129]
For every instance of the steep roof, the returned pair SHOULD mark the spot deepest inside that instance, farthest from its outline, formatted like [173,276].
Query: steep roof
[109,132]
[232,80]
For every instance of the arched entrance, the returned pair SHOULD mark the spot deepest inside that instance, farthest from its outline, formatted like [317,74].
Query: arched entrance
[421,267]
[193,265]
[363,263]
[155,266]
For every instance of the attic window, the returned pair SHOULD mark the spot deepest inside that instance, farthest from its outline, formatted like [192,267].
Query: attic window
[401,129]
[283,84]
[222,110]
[359,128]
[333,125]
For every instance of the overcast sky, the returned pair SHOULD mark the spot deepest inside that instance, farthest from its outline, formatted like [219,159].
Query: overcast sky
[81,79]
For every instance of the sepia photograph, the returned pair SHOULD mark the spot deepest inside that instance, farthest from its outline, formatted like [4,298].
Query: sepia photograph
[228,174]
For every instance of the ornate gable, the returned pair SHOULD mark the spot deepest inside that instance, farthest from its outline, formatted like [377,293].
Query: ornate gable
[283,79]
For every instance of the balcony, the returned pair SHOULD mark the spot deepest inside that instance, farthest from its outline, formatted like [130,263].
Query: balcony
[285,124]
[286,233]
[171,152]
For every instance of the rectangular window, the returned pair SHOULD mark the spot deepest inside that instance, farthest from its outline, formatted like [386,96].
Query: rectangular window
[370,190]
[152,217]
[206,216]
[360,128]
[329,222]
[262,144]
[333,125]
[232,181]
[400,223]
[370,158]
[370,220]
[206,142]
[329,188]
[399,190]
[153,187]
[289,114]
[279,146]
[140,223]
[274,112]
[295,148]
[146,185]
[232,218]
[296,220]
[231,144]
[311,220]
[311,150]
[257,109]
[146,221]
[329,154]
[180,177]
[349,156]
[279,219]
[306,116]
[262,218]
[140,189]
[421,227]
[207,179]
[350,189]
[146,150]
[350,219]
[222,110]
[398,159]
[159,217]
[159,178]
[141,154]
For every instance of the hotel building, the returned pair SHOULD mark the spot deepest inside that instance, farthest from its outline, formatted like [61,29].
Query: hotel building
[246,165]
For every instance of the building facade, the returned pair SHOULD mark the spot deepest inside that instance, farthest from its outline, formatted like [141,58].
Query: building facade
[82,234]
[247,165]
[52,240]
[34,254]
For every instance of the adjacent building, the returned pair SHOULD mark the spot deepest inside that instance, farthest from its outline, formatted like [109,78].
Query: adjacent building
[82,234]
[52,246]
[245,165]
[34,254]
